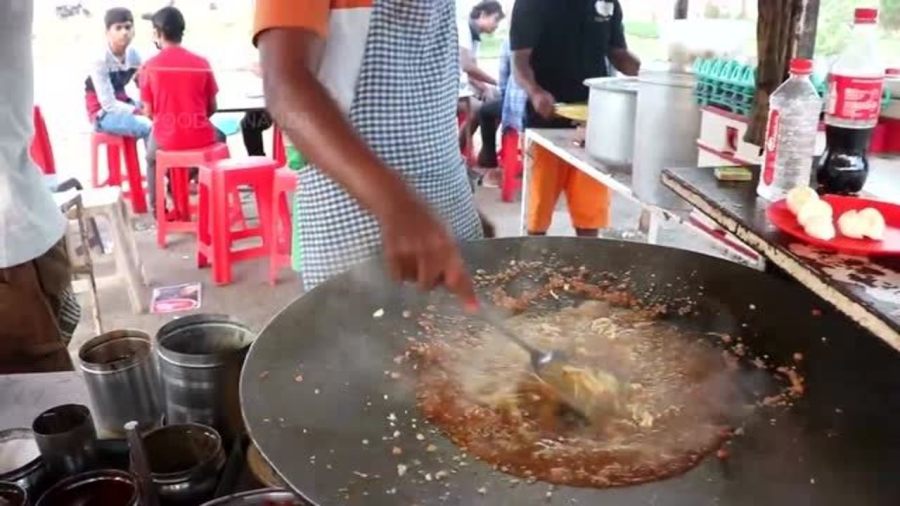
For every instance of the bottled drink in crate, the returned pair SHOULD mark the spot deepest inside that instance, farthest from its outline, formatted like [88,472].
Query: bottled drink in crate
[794,111]
[855,86]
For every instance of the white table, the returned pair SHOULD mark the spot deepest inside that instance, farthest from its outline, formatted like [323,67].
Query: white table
[24,396]
[239,91]
[616,178]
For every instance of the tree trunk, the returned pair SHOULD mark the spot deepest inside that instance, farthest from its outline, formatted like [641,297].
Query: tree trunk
[806,36]
[776,40]
[681,9]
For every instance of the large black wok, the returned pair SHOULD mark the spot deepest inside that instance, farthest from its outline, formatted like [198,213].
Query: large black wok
[839,445]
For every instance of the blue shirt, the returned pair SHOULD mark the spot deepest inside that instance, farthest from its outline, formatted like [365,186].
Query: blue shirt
[513,96]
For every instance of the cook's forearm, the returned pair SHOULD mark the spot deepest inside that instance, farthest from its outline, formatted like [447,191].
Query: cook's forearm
[625,61]
[523,73]
[310,117]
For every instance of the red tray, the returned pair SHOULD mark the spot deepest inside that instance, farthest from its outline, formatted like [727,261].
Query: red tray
[784,220]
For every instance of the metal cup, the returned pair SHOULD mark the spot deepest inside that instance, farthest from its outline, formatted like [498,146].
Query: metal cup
[12,495]
[67,439]
[200,358]
[121,377]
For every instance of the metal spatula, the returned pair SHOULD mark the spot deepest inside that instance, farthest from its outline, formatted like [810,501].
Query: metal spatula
[555,370]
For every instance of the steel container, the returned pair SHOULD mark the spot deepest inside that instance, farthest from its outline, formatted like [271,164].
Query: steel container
[268,497]
[200,359]
[665,135]
[12,494]
[612,107]
[185,461]
[67,439]
[108,487]
[27,470]
[122,381]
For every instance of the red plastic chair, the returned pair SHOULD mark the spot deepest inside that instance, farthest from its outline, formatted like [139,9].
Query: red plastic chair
[279,152]
[41,150]
[178,163]
[285,184]
[117,149]
[511,165]
[216,237]
[468,151]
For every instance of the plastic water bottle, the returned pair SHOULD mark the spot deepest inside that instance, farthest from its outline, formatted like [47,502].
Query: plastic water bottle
[855,86]
[794,111]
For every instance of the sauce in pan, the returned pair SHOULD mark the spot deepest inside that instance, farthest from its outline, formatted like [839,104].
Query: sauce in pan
[679,394]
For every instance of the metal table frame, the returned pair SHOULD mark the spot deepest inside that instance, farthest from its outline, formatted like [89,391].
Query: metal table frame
[617,179]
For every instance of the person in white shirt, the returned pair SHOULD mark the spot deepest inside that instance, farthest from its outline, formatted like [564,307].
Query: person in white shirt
[35,281]
[476,86]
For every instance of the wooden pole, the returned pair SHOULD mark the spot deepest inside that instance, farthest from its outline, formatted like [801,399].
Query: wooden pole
[805,38]
[681,9]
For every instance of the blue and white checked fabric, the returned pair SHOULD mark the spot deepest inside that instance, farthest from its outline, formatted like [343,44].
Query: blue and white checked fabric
[405,108]
[514,98]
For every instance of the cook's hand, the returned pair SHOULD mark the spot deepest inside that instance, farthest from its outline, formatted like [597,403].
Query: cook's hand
[418,248]
[543,103]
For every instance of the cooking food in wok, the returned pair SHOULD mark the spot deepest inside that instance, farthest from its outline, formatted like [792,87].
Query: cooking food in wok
[658,397]
[776,399]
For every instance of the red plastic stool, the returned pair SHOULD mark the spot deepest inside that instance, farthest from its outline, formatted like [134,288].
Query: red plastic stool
[510,165]
[285,184]
[215,235]
[178,163]
[279,152]
[468,151]
[41,150]
[117,148]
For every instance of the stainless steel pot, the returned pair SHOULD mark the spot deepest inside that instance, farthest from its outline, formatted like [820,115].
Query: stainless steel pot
[108,487]
[185,461]
[666,131]
[200,359]
[67,439]
[268,497]
[22,464]
[612,107]
[122,381]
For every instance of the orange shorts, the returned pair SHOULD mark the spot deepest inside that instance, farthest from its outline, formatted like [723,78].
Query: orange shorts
[588,200]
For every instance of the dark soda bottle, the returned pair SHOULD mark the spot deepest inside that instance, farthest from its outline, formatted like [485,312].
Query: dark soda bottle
[843,168]
[855,85]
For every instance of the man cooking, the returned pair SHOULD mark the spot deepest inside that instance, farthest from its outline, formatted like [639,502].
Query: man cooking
[367,91]
[557,44]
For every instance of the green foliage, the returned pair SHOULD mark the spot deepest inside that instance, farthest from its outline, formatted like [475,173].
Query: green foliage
[833,33]
[642,29]
[836,18]
[490,45]
[890,14]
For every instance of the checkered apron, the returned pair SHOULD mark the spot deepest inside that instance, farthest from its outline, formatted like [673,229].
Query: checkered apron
[405,108]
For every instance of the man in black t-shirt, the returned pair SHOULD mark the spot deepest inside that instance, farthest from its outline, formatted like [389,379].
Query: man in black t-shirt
[557,44]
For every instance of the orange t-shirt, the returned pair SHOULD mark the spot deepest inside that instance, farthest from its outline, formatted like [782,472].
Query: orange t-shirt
[343,24]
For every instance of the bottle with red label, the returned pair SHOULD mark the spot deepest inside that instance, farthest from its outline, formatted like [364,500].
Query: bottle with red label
[855,87]
[794,110]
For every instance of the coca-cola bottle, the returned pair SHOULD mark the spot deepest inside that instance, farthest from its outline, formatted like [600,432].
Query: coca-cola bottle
[855,86]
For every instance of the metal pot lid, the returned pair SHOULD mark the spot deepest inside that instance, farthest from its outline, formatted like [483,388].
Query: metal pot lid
[18,450]
[672,79]
[619,84]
